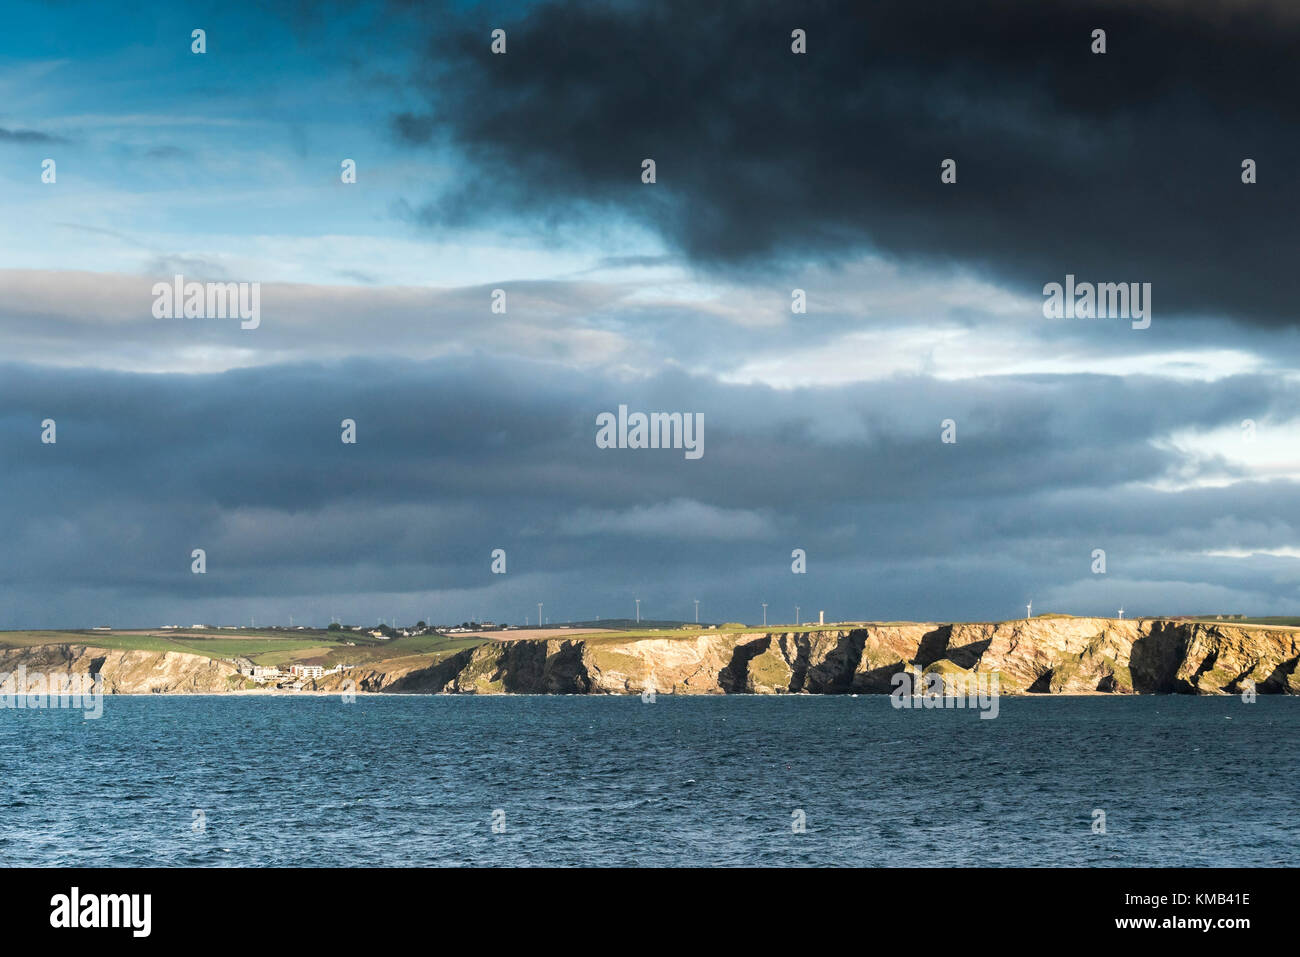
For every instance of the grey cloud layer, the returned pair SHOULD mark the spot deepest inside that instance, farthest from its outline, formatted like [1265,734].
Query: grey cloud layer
[77,319]
[457,457]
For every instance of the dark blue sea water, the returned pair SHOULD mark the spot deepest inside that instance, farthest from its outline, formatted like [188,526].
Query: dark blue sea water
[682,781]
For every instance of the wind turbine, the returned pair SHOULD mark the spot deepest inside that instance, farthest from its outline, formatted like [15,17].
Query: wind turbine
[1121,614]
[1029,611]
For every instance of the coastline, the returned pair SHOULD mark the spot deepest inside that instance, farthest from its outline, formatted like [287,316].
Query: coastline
[1047,656]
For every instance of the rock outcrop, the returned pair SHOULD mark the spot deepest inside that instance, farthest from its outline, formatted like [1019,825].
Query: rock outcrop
[123,672]
[1049,655]
[1041,655]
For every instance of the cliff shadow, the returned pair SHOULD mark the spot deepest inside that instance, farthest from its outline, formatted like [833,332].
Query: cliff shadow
[968,656]
[1043,683]
[1279,679]
[1156,657]
[428,680]
[565,672]
[733,678]
[802,659]
[836,671]
[878,680]
[933,646]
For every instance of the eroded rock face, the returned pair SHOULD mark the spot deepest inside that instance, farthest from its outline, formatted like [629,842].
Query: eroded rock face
[1224,659]
[686,665]
[1041,655]
[551,666]
[124,672]
[1045,655]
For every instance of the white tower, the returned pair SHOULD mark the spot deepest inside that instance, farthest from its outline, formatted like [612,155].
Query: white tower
[1029,611]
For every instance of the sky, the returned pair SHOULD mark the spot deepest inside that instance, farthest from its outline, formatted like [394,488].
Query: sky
[1172,449]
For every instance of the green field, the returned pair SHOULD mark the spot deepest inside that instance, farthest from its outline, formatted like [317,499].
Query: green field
[695,631]
[1280,622]
[328,647]
[260,647]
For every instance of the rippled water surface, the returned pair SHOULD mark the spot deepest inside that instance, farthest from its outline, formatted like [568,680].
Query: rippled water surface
[681,781]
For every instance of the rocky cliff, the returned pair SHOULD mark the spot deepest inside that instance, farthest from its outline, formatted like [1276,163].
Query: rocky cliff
[1044,655]
[1041,655]
[123,672]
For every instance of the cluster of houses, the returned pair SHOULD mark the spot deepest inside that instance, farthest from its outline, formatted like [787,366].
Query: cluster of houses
[264,674]
[385,632]
[388,632]
[223,628]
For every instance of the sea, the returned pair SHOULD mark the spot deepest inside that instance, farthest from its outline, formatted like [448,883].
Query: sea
[773,781]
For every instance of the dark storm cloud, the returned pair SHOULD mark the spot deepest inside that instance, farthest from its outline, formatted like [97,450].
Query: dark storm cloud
[456,457]
[28,136]
[1117,167]
[168,152]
